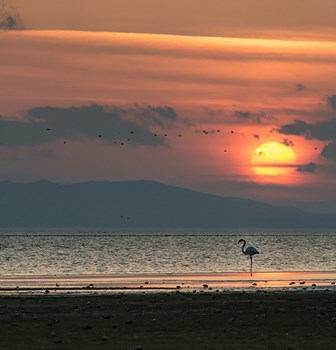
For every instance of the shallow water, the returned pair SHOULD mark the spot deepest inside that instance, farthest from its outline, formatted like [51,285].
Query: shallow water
[186,282]
[109,252]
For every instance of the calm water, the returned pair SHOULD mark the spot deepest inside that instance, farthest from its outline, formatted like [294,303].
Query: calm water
[111,252]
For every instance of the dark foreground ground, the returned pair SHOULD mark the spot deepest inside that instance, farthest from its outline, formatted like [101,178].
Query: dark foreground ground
[169,321]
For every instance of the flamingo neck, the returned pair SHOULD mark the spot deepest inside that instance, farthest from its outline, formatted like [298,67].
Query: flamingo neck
[244,243]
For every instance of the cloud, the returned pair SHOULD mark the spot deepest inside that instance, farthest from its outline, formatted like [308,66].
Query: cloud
[166,112]
[9,18]
[66,54]
[256,117]
[151,115]
[325,130]
[212,113]
[288,143]
[331,100]
[308,168]
[42,125]
[329,151]
[300,87]
[175,46]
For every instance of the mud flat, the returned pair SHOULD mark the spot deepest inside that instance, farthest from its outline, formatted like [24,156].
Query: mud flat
[170,320]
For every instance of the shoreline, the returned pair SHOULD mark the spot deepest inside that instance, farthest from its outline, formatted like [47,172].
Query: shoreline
[184,282]
[169,320]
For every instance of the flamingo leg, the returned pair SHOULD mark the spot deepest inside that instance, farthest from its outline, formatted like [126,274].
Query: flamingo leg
[251,265]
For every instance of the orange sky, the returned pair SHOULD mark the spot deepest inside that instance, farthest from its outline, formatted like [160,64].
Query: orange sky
[250,86]
[262,18]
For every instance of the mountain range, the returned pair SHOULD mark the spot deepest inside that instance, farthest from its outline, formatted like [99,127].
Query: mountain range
[317,207]
[140,204]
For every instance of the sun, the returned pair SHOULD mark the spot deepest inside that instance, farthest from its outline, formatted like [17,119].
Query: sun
[273,159]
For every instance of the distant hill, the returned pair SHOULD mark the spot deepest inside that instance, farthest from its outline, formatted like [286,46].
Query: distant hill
[317,207]
[139,204]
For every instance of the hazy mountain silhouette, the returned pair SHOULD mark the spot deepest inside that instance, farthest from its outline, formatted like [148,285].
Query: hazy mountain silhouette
[139,204]
[317,207]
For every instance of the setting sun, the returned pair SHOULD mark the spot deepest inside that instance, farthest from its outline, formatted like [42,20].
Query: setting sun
[273,159]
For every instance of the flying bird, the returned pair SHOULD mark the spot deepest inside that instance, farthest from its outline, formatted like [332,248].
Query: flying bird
[248,251]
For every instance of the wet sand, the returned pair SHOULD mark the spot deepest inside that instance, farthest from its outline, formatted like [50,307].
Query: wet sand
[224,280]
[174,320]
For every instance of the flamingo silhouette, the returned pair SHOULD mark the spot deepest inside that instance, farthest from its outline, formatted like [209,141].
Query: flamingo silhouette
[248,251]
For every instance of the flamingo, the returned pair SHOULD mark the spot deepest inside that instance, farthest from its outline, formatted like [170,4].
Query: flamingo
[248,251]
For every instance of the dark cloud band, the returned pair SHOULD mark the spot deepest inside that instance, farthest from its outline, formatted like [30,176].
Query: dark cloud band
[254,117]
[307,168]
[325,130]
[41,125]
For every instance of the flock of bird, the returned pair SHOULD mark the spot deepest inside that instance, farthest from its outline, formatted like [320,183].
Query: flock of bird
[123,142]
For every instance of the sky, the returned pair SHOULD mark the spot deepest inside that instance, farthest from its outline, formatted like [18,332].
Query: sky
[235,98]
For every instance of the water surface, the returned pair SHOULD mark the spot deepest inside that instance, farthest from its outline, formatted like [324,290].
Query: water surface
[111,252]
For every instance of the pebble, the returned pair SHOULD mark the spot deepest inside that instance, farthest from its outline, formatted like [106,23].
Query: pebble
[86,328]
[138,348]
[205,286]
[291,283]
[105,338]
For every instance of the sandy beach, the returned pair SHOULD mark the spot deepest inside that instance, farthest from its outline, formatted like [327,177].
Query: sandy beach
[172,320]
